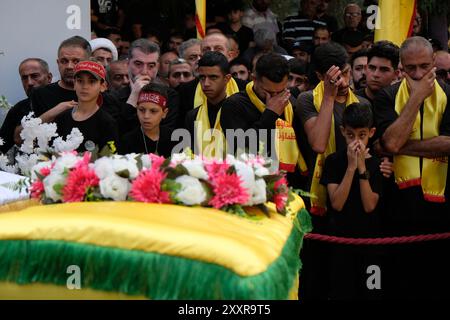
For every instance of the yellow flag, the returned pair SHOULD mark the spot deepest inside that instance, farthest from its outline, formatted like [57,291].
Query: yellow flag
[395,20]
[200,18]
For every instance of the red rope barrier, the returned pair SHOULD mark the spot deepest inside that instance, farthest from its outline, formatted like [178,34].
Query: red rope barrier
[378,241]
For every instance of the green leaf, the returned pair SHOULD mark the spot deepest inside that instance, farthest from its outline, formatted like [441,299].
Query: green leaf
[124,173]
[58,188]
[173,173]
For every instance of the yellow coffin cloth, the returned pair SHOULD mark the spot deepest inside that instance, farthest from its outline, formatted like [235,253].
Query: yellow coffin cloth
[246,247]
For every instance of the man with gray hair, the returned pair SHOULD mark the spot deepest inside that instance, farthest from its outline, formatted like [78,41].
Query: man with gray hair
[34,72]
[265,42]
[143,65]
[190,50]
[413,121]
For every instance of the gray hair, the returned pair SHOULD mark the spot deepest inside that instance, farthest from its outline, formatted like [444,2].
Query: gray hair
[263,35]
[186,45]
[416,41]
[42,63]
[144,45]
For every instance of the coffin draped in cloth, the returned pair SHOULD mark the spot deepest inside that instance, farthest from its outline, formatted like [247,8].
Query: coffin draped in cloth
[130,250]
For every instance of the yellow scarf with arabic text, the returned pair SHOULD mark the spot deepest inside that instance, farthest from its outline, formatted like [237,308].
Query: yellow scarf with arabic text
[288,152]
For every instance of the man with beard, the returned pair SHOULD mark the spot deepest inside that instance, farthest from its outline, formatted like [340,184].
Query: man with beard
[358,62]
[34,72]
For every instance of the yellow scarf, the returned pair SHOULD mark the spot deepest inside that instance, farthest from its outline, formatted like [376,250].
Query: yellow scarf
[434,171]
[212,144]
[318,205]
[286,146]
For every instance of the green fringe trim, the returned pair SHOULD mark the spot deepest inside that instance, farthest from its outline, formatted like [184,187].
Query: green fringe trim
[153,275]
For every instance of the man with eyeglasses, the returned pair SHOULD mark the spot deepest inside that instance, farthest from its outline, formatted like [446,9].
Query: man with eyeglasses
[190,50]
[442,64]
[352,19]
[179,72]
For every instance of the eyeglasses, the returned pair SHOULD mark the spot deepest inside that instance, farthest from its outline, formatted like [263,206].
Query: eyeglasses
[352,14]
[185,74]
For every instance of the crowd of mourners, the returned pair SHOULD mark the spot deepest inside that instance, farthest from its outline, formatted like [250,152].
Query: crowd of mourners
[363,126]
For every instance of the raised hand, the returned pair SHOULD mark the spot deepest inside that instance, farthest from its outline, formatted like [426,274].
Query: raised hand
[278,102]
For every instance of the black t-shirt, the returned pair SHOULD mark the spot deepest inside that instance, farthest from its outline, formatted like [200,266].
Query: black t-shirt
[352,221]
[128,117]
[47,97]
[306,110]
[134,142]
[187,94]
[99,128]
[411,213]
[106,11]
[12,120]
[244,35]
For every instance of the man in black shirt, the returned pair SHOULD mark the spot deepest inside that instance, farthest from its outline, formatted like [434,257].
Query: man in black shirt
[381,69]
[413,118]
[143,65]
[34,72]
[214,74]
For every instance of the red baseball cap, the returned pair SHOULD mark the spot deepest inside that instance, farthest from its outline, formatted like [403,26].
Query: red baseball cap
[94,68]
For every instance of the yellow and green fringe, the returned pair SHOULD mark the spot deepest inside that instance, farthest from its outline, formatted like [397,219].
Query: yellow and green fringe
[154,275]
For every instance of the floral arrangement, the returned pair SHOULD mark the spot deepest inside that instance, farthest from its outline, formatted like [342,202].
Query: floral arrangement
[228,184]
[36,145]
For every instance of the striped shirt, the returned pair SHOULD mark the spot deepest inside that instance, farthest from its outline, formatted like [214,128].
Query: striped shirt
[300,28]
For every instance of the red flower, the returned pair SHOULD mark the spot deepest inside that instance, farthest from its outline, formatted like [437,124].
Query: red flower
[216,169]
[79,180]
[157,161]
[37,188]
[281,193]
[228,190]
[147,186]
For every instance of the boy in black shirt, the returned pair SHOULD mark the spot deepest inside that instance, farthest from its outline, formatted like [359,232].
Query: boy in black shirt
[149,136]
[353,180]
[96,125]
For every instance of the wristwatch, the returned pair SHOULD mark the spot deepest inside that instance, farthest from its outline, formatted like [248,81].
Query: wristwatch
[365,175]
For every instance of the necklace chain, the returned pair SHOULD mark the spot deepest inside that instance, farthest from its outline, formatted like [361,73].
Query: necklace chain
[145,144]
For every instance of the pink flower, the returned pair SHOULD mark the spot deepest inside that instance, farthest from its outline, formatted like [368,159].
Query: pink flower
[79,180]
[157,161]
[216,169]
[228,190]
[85,160]
[280,196]
[147,186]
[37,187]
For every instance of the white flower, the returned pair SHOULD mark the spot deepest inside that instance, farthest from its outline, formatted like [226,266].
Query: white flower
[73,141]
[260,171]
[1,142]
[33,129]
[245,172]
[192,192]
[146,161]
[115,187]
[178,158]
[4,165]
[66,161]
[122,163]
[26,162]
[259,195]
[103,167]
[195,168]
[53,179]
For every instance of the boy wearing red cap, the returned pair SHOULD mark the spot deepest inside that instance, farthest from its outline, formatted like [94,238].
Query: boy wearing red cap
[96,125]
[149,137]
